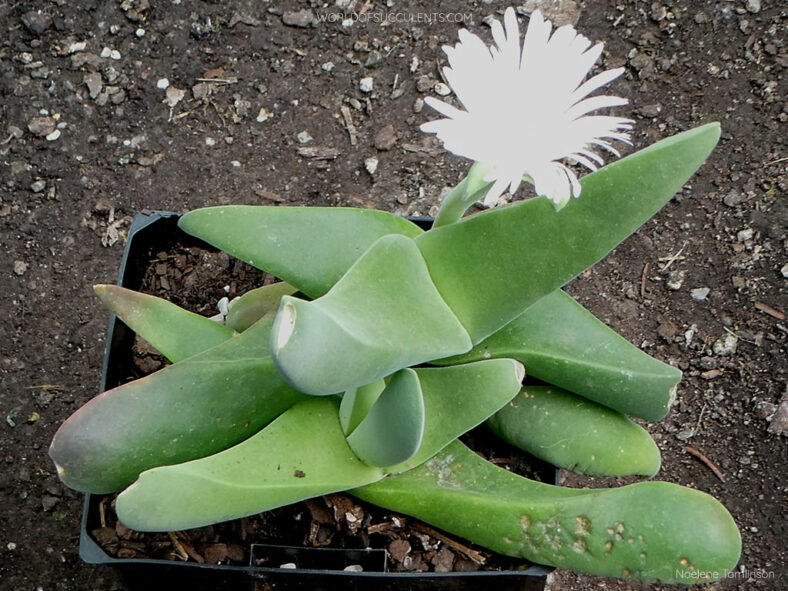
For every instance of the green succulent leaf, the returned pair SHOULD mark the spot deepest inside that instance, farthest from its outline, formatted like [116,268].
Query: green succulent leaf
[244,311]
[458,398]
[383,315]
[562,343]
[175,332]
[491,266]
[187,410]
[576,434]
[302,454]
[653,531]
[356,404]
[309,247]
[393,429]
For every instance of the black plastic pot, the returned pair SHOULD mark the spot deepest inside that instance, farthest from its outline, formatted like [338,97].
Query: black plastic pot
[319,568]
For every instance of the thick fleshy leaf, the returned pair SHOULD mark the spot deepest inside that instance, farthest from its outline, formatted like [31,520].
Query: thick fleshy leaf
[309,247]
[650,530]
[491,266]
[383,315]
[458,398]
[187,410]
[393,429]
[300,455]
[562,343]
[356,404]
[244,311]
[175,332]
[571,432]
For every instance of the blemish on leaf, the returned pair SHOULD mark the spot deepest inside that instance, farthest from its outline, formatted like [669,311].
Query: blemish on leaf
[619,527]
[299,474]
[642,554]
[579,545]
[582,525]
[683,561]
[626,573]
[610,531]
[608,546]
[525,522]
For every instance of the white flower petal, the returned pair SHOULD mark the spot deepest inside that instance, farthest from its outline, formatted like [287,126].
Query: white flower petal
[526,108]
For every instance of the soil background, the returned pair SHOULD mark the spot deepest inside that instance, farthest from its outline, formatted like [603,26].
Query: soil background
[89,136]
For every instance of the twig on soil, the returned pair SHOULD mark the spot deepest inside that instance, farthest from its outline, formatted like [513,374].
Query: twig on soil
[219,80]
[705,461]
[103,513]
[700,418]
[783,159]
[477,557]
[351,129]
[767,309]
[672,258]
[47,387]
[643,280]
[177,545]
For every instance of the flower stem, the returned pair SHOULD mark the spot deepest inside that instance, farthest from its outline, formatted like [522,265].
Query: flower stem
[461,197]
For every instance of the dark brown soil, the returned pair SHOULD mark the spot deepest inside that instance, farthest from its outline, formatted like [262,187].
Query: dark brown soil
[65,205]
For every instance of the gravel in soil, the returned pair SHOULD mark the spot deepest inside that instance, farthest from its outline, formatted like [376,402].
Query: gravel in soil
[111,108]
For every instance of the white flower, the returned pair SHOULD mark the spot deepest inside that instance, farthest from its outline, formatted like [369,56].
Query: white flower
[526,108]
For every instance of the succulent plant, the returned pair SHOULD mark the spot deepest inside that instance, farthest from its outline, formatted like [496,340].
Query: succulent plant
[384,343]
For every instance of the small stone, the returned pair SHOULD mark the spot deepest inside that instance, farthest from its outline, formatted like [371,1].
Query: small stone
[289,565]
[94,83]
[173,96]
[418,105]
[711,374]
[304,137]
[264,115]
[424,83]
[48,502]
[41,126]
[734,198]
[11,546]
[105,52]
[658,12]
[667,330]
[299,18]
[36,21]
[114,54]
[354,568]
[675,280]
[210,142]
[162,83]
[725,345]
[327,67]
[140,33]
[707,362]
[235,164]
[15,131]
[366,84]
[738,282]
[753,6]
[371,164]
[38,186]
[699,294]
[385,138]
[779,423]
[784,270]
[201,90]
[53,136]
[20,267]
[442,89]
[652,110]
[745,235]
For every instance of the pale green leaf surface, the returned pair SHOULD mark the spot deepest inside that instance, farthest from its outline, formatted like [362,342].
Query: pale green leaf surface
[383,315]
[309,247]
[491,266]
[302,454]
[244,311]
[173,331]
[650,530]
[392,431]
[576,434]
